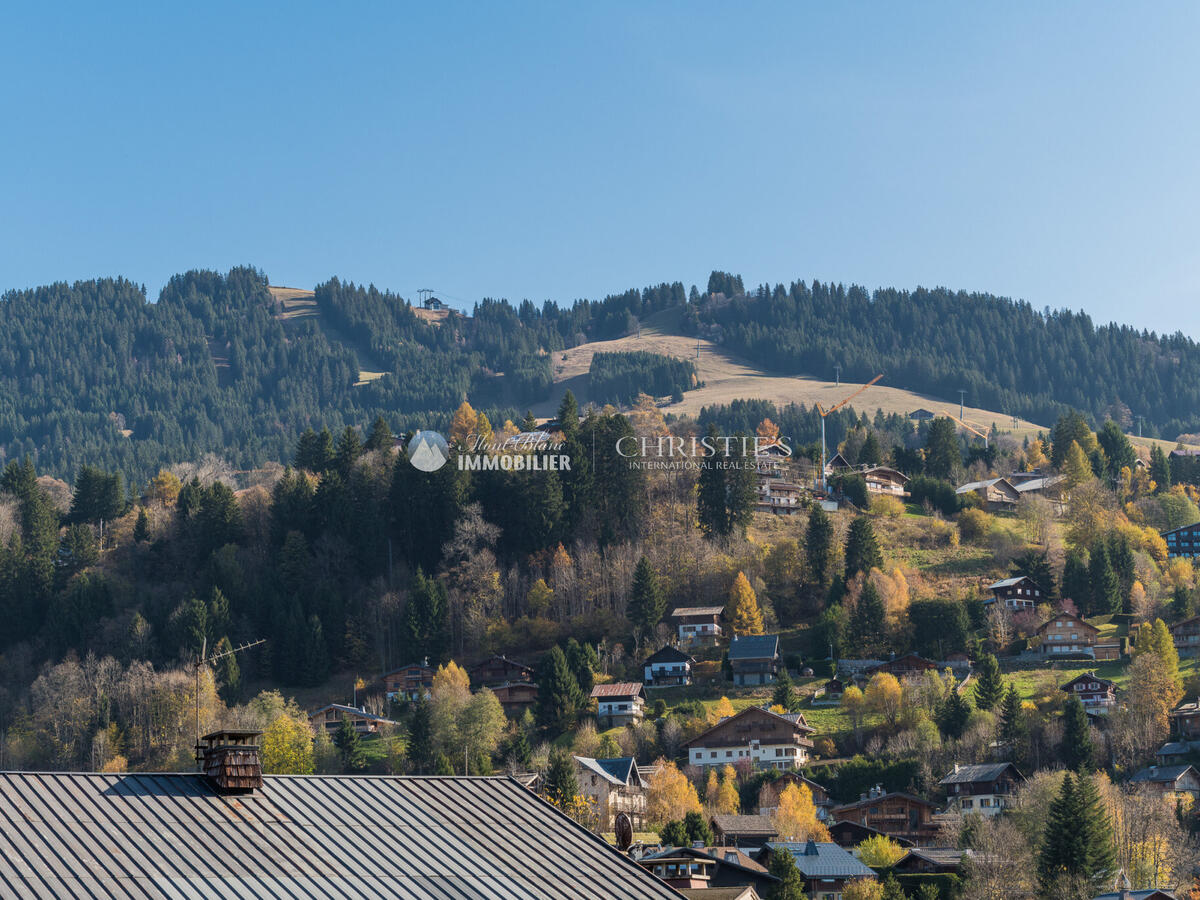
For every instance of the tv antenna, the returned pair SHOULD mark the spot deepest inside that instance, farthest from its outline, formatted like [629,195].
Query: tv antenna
[204,660]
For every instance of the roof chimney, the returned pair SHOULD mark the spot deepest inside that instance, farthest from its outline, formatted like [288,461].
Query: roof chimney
[230,761]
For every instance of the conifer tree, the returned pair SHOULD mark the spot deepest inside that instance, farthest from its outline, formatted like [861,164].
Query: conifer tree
[744,615]
[647,602]
[1160,469]
[559,696]
[583,662]
[818,547]
[791,881]
[783,695]
[562,787]
[1105,588]
[380,437]
[349,449]
[1076,584]
[1077,747]
[141,528]
[989,688]
[867,624]
[1014,731]
[420,738]
[347,741]
[943,453]
[953,714]
[862,549]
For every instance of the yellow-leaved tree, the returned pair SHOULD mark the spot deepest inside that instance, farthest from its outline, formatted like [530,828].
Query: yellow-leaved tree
[722,797]
[879,850]
[862,889]
[744,615]
[722,709]
[795,819]
[287,747]
[670,795]
[884,696]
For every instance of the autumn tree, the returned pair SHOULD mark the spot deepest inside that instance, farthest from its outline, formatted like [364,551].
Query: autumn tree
[884,696]
[670,794]
[880,851]
[744,615]
[287,747]
[795,819]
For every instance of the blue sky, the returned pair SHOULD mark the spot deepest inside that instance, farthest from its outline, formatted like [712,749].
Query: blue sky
[555,151]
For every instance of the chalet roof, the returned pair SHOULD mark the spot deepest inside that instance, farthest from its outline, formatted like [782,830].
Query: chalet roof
[1185,451]
[1187,710]
[501,659]
[1037,484]
[1162,774]
[824,860]
[796,720]
[733,824]
[412,665]
[980,485]
[1070,617]
[697,611]
[908,660]
[760,646]
[866,831]
[354,711]
[303,837]
[1144,894]
[890,795]
[1174,748]
[668,654]
[1180,528]
[618,689]
[938,856]
[732,856]
[1011,582]
[976,773]
[1189,621]
[742,892]
[884,470]
[618,771]
[837,461]
[1091,676]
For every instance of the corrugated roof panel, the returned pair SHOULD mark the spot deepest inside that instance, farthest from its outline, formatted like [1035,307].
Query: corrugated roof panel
[144,836]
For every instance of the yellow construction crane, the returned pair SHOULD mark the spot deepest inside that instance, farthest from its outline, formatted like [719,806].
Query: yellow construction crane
[823,412]
[974,431]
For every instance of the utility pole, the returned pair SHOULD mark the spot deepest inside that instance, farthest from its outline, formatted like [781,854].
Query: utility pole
[838,368]
[962,395]
[1140,420]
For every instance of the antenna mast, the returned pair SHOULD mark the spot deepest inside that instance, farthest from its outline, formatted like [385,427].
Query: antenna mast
[203,659]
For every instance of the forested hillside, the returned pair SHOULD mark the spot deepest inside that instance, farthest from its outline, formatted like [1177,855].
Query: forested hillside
[1005,355]
[93,373]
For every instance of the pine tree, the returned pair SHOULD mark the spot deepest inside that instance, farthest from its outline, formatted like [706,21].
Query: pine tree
[141,528]
[1077,843]
[1013,731]
[420,738]
[1100,858]
[871,453]
[943,453]
[818,547]
[346,739]
[562,787]
[559,696]
[349,449]
[647,602]
[1105,588]
[1160,469]
[791,880]
[425,624]
[744,615]
[1036,567]
[862,549]
[583,662]
[380,436]
[1077,747]
[892,889]
[783,695]
[868,621]
[1076,584]
[711,492]
[989,686]
[954,714]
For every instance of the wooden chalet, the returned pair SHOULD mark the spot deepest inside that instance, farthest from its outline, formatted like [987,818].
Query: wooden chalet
[1185,721]
[669,666]
[1186,636]
[930,861]
[994,493]
[903,666]
[896,814]
[1183,541]
[1067,633]
[850,834]
[499,670]
[516,697]
[837,463]
[830,693]
[987,789]
[411,682]
[698,624]
[827,868]
[1017,593]
[768,740]
[1174,783]
[783,498]
[329,718]
[768,794]
[754,659]
[620,704]
[711,873]
[885,480]
[1095,693]
[743,831]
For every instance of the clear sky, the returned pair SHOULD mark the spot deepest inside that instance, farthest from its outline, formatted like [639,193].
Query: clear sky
[1049,152]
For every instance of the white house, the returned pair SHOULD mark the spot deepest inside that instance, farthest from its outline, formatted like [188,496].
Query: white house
[768,740]
[619,704]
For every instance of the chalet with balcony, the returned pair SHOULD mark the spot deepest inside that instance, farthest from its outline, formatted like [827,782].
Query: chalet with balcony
[1173,783]
[754,658]
[516,697]
[1186,636]
[620,704]
[724,873]
[499,670]
[994,493]
[930,861]
[1067,634]
[768,740]
[1185,721]
[329,718]
[668,667]
[698,624]
[986,789]
[1018,593]
[411,682]
[885,480]
[906,666]
[826,867]
[896,814]
[783,498]
[615,786]
[1183,541]
[1098,695]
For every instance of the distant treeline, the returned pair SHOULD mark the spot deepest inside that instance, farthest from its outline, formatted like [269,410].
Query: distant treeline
[620,377]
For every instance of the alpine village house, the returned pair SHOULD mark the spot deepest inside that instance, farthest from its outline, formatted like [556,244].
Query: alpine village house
[769,740]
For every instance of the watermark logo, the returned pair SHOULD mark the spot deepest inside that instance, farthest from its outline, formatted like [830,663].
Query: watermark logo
[428,451]
[670,452]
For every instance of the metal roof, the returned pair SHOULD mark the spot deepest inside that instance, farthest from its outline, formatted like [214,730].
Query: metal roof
[981,772]
[74,835]
[696,611]
[760,646]
[736,824]
[1008,582]
[824,860]
[354,711]
[617,771]
[619,689]
[1161,774]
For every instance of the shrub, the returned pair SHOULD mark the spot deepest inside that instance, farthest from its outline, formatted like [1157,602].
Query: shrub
[974,524]
[885,505]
